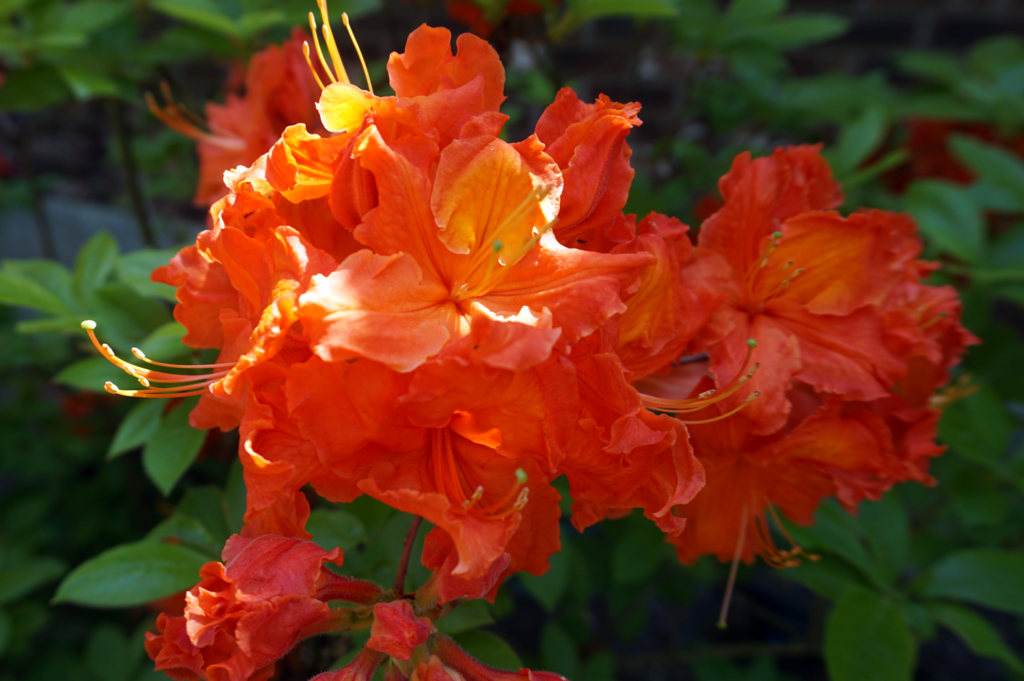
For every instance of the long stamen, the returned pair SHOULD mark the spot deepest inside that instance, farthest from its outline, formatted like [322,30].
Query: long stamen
[753,396]
[177,118]
[140,355]
[449,481]
[309,63]
[181,385]
[355,43]
[332,45]
[521,479]
[733,569]
[493,277]
[783,285]
[319,52]
[710,397]
[763,260]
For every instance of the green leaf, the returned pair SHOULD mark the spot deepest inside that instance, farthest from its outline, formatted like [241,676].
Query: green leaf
[987,577]
[828,577]
[64,324]
[1008,249]
[201,13]
[253,22]
[466,616]
[549,588]
[489,648]
[24,292]
[206,504]
[558,651]
[136,267]
[110,656]
[125,318]
[138,425]
[835,532]
[753,10]
[866,637]
[976,632]
[949,216]
[22,577]
[172,448]
[6,628]
[585,10]
[789,33]
[935,66]
[977,427]
[331,529]
[86,83]
[93,265]
[189,531]
[90,374]
[131,575]
[32,89]
[89,16]
[637,554]
[994,164]
[858,140]
[50,275]
[600,667]
[165,344]
[887,530]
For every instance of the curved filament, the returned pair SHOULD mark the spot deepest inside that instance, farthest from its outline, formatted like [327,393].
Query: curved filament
[449,480]
[710,397]
[177,385]
[181,120]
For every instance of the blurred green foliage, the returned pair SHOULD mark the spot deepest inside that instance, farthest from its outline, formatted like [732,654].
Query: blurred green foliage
[123,502]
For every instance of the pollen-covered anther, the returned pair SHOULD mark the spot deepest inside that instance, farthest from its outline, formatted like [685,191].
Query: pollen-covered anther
[180,385]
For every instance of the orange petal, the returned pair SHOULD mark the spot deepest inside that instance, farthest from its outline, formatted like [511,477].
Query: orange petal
[480,188]
[846,263]
[301,165]
[379,307]
[588,141]
[427,66]
[763,193]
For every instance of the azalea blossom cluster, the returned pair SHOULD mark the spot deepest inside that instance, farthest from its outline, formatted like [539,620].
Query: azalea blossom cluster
[408,306]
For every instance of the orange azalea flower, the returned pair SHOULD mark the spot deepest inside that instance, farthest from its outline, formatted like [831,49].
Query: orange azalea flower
[464,441]
[280,90]
[749,476]
[249,611]
[804,282]
[474,241]
[238,290]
